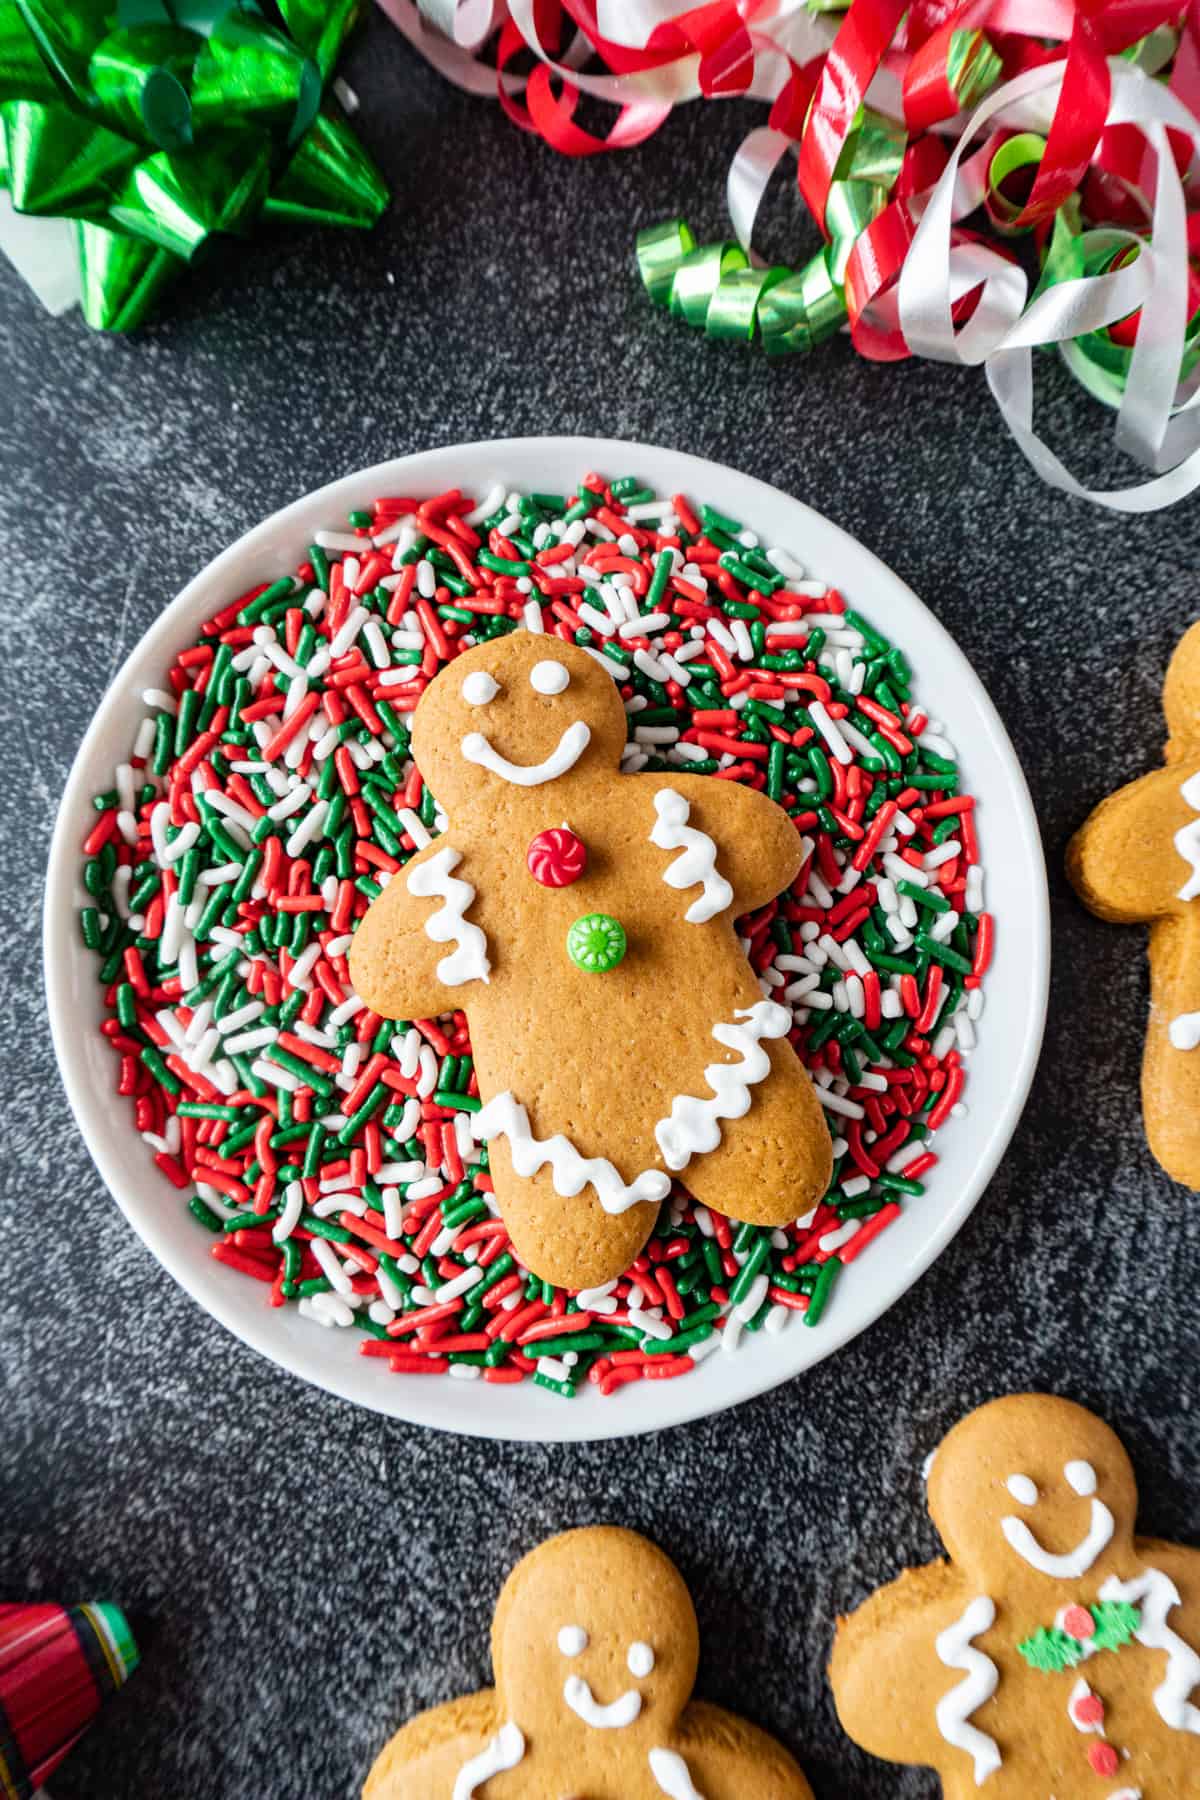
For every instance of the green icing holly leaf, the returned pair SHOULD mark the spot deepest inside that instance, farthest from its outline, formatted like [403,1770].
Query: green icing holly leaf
[1051,1651]
[1116,1623]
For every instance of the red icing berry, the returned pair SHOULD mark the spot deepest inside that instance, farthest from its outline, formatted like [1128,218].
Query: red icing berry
[557,857]
[1078,1622]
[1104,1759]
[1088,1710]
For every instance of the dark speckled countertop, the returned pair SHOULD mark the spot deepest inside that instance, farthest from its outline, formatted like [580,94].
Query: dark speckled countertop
[303,1575]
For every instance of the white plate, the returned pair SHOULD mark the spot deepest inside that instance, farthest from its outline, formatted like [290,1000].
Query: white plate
[1000,1072]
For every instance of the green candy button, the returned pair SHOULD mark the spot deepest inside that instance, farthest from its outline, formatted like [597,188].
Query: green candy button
[596,943]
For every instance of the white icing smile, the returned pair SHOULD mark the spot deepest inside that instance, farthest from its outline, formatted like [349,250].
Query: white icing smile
[614,1717]
[476,748]
[1072,1563]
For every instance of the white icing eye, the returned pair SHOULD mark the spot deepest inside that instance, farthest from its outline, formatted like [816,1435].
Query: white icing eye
[549,677]
[1022,1489]
[1082,1478]
[640,1660]
[478,688]
[572,1640]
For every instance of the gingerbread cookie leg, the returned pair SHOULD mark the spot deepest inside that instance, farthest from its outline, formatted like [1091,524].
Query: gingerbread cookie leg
[571,1241]
[777,1172]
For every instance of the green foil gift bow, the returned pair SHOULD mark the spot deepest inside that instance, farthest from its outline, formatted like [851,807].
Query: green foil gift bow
[156,124]
[714,287]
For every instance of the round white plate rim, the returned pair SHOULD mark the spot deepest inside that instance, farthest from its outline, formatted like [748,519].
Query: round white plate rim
[525,1413]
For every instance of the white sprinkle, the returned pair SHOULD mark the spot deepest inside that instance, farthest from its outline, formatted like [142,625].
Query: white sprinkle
[830,732]
[746,1308]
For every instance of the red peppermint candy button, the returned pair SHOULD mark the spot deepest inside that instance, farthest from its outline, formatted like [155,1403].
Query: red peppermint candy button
[1104,1759]
[556,858]
[1079,1623]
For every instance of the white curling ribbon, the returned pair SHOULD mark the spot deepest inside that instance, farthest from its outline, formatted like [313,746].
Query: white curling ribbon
[757,158]
[662,87]
[456,64]
[1156,421]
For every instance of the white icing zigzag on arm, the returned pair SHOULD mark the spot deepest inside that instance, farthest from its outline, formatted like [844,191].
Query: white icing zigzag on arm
[1187,838]
[673,1776]
[434,880]
[981,1679]
[694,1126]
[504,1116]
[504,1751]
[697,862]
[1155,1593]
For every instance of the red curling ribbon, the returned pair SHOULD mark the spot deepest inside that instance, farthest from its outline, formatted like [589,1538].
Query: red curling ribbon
[1078,121]
[928,95]
[551,115]
[790,106]
[855,55]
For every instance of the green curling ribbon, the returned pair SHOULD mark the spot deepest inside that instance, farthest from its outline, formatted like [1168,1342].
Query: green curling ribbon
[972,67]
[159,124]
[717,291]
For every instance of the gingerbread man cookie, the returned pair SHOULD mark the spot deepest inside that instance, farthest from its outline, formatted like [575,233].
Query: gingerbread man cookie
[1055,1653]
[595,1647]
[1136,860]
[584,920]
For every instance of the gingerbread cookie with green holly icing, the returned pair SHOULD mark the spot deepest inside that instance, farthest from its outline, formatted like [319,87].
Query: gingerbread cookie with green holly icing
[1136,860]
[584,921]
[595,1646]
[1055,1653]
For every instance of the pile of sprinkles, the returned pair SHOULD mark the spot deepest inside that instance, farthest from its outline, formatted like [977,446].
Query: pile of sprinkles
[268,798]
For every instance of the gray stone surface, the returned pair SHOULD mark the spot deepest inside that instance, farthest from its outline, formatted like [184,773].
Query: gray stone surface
[304,1575]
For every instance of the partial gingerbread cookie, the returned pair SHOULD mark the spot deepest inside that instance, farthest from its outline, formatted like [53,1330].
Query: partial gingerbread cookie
[595,1646]
[1136,860]
[1055,1653]
[584,920]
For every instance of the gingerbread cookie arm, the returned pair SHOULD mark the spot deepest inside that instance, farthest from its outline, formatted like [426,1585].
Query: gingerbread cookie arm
[727,1758]
[887,1676]
[752,848]
[1121,862]
[425,1758]
[416,953]
[1171,1062]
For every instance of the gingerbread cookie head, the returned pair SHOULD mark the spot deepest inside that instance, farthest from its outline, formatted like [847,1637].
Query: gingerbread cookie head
[1181,693]
[518,712]
[595,1635]
[595,1647]
[1032,1488]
